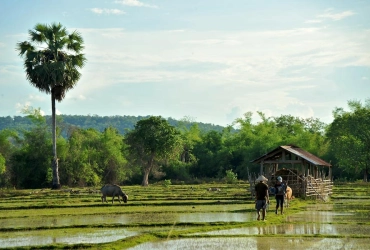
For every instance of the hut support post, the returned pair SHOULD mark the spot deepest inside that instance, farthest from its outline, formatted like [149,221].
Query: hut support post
[261,168]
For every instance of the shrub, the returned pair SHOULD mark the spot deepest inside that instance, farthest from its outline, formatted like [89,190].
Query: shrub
[167,183]
[231,177]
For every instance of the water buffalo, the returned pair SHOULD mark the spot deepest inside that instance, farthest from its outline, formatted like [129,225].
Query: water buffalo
[112,191]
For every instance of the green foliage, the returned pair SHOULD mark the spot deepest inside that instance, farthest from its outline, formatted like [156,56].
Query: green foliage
[254,140]
[8,139]
[154,149]
[167,183]
[231,177]
[2,164]
[208,154]
[93,158]
[52,59]
[100,123]
[31,162]
[34,115]
[177,170]
[349,137]
[190,136]
[151,144]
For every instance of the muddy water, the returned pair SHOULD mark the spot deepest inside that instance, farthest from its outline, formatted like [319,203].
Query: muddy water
[47,237]
[296,229]
[317,220]
[257,243]
[124,219]
[213,217]
[57,221]
[325,216]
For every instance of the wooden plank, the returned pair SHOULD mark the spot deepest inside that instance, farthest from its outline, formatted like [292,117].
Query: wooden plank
[283,161]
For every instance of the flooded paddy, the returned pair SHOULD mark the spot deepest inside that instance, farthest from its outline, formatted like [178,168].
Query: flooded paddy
[124,219]
[207,222]
[296,229]
[256,243]
[67,236]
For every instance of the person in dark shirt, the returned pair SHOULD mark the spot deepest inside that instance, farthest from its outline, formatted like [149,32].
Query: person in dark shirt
[262,196]
[280,190]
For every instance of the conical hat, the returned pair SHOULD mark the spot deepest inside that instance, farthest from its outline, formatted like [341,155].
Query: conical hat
[262,178]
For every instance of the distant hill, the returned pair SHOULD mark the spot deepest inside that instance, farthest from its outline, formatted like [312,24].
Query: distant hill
[122,123]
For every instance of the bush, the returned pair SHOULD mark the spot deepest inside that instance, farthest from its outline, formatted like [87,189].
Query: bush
[231,177]
[167,183]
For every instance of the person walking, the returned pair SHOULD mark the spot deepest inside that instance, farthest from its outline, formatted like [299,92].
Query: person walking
[262,196]
[280,190]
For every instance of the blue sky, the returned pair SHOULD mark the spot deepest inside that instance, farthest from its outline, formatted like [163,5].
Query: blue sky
[211,61]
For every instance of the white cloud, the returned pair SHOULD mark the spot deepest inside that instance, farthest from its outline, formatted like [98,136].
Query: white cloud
[336,16]
[107,11]
[313,21]
[79,97]
[135,3]
[213,41]
[176,31]
[38,98]
[254,57]
[190,66]
[82,97]
[21,106]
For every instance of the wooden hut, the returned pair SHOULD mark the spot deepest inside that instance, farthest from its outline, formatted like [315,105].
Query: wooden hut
[305,173]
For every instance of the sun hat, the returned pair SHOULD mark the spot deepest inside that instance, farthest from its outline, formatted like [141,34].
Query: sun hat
[262,178]
[279,178]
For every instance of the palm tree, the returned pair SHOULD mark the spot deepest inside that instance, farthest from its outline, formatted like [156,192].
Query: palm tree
[52,57]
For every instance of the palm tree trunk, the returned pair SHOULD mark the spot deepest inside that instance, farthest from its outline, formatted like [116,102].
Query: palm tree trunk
[54,166]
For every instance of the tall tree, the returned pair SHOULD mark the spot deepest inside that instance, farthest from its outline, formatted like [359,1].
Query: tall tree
[7,148]
[31,161]
[207,152]
[152,143]
[349,136]
[52,58]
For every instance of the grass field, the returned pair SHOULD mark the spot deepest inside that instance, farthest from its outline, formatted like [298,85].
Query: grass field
[180,217]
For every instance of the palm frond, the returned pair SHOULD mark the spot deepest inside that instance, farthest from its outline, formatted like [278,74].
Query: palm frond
[51,69]
[23,47]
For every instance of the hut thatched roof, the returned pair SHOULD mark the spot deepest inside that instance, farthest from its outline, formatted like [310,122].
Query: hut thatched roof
[274,154]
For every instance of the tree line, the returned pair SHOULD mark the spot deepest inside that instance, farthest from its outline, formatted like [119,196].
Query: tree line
[155,150]
[121,123]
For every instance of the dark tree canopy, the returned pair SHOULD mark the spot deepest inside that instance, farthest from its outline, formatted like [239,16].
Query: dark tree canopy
[349,136]
[151,143]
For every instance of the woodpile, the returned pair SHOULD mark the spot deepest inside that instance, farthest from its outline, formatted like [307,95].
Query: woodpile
[303,186]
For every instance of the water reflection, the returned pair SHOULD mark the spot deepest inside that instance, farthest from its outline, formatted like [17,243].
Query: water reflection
[54,221]
[320,216]
[40,238]
[261,243]
[58,221]
[213,217]
[314,221]
[124,219]
[295,229]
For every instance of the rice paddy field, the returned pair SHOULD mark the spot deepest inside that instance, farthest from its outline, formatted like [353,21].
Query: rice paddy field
[182,217]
